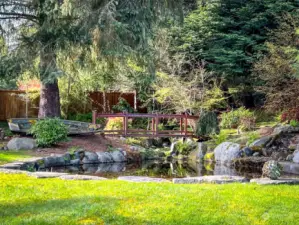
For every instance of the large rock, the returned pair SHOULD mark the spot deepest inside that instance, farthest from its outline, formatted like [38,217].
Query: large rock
[104,157]
[285,129]
[118,156]
[81,177]
[272,170]
[21,143]
[296,155]
[90,157]
[199,153]
[289,167]
[53,161]
[226,152]
[260,143]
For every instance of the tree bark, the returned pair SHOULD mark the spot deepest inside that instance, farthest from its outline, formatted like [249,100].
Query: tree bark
[49,105]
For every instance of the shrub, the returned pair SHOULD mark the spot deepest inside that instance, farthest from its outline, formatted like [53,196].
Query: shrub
[294,123]
[49,132]
[290,114]
[220,138]
[115,123]
[207,124]
[240,117]
[184,147]
[123,106]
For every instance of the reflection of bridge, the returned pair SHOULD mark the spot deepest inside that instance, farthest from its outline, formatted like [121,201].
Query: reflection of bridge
[155,120]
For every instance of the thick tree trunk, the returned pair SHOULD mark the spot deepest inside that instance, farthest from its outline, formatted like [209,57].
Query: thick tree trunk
[49,105]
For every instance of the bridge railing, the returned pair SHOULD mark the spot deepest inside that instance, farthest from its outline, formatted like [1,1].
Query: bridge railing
[155,120]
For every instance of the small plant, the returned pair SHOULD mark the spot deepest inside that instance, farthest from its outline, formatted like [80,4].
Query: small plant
[294,123]
[240,117]
[219,138]
[133,141]
[252,137]
[290,114]
[115,123]
[87,117]
[49,132]
[184,148]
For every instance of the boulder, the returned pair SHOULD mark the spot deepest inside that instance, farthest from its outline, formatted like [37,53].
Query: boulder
[21,143]
[246,151]
[118,156]
[104,157]
[142,179]
[267,181]
[200,152]
[226,152]
[90,157]
[260,143]
[53,161]
[75,162]
[296,156]
[81,177]
[272,170]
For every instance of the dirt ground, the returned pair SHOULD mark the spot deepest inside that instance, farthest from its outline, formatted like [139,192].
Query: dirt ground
[93,143]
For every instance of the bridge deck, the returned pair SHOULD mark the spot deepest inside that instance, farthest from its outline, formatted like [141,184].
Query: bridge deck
[155,120]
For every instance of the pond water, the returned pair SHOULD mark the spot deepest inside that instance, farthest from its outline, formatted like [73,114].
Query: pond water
[159,169]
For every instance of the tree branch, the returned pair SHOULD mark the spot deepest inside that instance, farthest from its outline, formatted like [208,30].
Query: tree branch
[19,16]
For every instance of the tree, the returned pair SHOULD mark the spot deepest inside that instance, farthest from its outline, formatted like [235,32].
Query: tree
[45,26]
[230,35]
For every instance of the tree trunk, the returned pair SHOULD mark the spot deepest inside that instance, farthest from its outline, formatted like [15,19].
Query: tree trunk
[49,105]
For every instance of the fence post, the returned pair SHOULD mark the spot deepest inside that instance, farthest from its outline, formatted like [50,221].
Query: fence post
[186,123]
[94,117]
[157,124]
[125,124]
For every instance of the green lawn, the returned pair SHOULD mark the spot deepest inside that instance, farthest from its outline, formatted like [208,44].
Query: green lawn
[26,200]
[11,156]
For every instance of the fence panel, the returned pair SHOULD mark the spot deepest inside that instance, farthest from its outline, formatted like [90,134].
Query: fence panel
[13,105]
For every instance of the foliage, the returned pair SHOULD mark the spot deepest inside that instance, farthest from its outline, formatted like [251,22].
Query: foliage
[294,123]
[210,156]
[219,138]
[252,136]
[238,117]
[290,114]
[278,69]
[184,147]
[207,124]
[87,117]
[49,132]
[123,106]
[115,123]
[133,141]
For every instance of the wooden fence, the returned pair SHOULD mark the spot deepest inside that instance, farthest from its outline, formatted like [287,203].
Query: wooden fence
[13,105]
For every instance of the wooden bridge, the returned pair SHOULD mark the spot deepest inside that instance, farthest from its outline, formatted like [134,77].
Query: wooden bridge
[183,120]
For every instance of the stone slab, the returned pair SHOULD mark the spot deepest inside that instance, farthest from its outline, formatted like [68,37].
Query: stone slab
[11,171]
[14,165]
[47,174]
[142,179]
[267,181]
[81,177]
[290,167]
[220,179]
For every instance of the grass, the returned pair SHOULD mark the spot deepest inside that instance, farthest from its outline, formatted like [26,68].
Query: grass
[26,200]
[10,156]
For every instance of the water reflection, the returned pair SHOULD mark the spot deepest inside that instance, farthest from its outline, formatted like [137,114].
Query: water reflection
[163,169]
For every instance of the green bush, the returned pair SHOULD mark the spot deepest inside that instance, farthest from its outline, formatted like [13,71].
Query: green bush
[207,124]
[294,123]
[123,106]
[184,147]
[240,117]
[219,138]
[49,132]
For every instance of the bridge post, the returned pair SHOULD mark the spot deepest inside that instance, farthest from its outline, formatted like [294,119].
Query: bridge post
[125,124]
[94,117]
[157,123]
[186,124]
[153,126]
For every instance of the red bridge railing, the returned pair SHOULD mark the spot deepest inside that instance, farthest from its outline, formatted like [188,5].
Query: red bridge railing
[184,122]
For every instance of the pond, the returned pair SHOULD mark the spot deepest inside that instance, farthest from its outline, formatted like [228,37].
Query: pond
[159,169]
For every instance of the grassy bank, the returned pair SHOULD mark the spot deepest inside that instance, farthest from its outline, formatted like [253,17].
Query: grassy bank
[26,200]
[11,156]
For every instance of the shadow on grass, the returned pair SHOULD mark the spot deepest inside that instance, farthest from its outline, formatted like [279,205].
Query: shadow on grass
[85,210]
